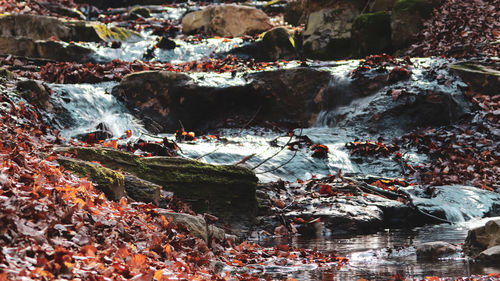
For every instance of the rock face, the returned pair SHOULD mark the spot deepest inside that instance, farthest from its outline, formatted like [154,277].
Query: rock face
[435,250]
[483,238]
[36,93]
[108,181]
[141,190]
[226,20]
[490,255]
[371,34]
[484,79]
[327,35]
[406,19]
[221,190]
[292,95]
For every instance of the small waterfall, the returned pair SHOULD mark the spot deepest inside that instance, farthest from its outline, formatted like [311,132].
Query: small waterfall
[85,106]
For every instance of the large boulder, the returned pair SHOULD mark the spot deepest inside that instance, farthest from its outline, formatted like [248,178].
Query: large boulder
[490,255]
[483,78]
[297,11]
[226,20]
[164,98]
[327,35]
[483,238]
[226,191]
[407,19]
[371,34]
[37,27]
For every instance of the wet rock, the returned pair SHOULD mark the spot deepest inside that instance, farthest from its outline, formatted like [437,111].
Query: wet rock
[108,181]
[226,191]
[490,255]
[483,78]
[407,19]
[63,11]
[483,238]
[451,202]
[226,20]
[277,43]
[37,27]
[141,190]
[435,250]
[371,34]
[166,44]
[327,35]
[52,50]
[36,93]
[288,95]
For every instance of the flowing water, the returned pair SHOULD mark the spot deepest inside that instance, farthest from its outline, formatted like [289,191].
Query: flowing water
[375,256]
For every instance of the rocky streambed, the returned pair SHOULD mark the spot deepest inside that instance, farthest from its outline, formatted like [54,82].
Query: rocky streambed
[371,158]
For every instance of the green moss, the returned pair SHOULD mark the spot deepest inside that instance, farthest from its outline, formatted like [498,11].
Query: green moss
[141,11]
[108,181]
[114,33]
[423,7]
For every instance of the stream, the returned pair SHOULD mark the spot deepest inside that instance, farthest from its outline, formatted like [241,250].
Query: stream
[371,256]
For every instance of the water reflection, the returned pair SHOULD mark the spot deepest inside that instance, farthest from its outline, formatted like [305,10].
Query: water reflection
[381,255]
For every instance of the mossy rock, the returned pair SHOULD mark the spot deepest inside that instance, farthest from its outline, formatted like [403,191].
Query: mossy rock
[141,11]
[371,34]
[108,181]
[224,190]
[142,190]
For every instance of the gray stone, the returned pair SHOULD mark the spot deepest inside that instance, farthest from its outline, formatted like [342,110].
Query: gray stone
[195,224]
[142,190]
[435,250]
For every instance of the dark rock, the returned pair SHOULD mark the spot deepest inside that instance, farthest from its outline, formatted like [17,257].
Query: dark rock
[288,95]
[277,43]
[407,19]
[166,43]
[141,11]
[226,191]
[482,238]
[63,11]
[293,12]
[36,93]
[483,78]
[371,34]
[382,5]
[435,250]
[108,181]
